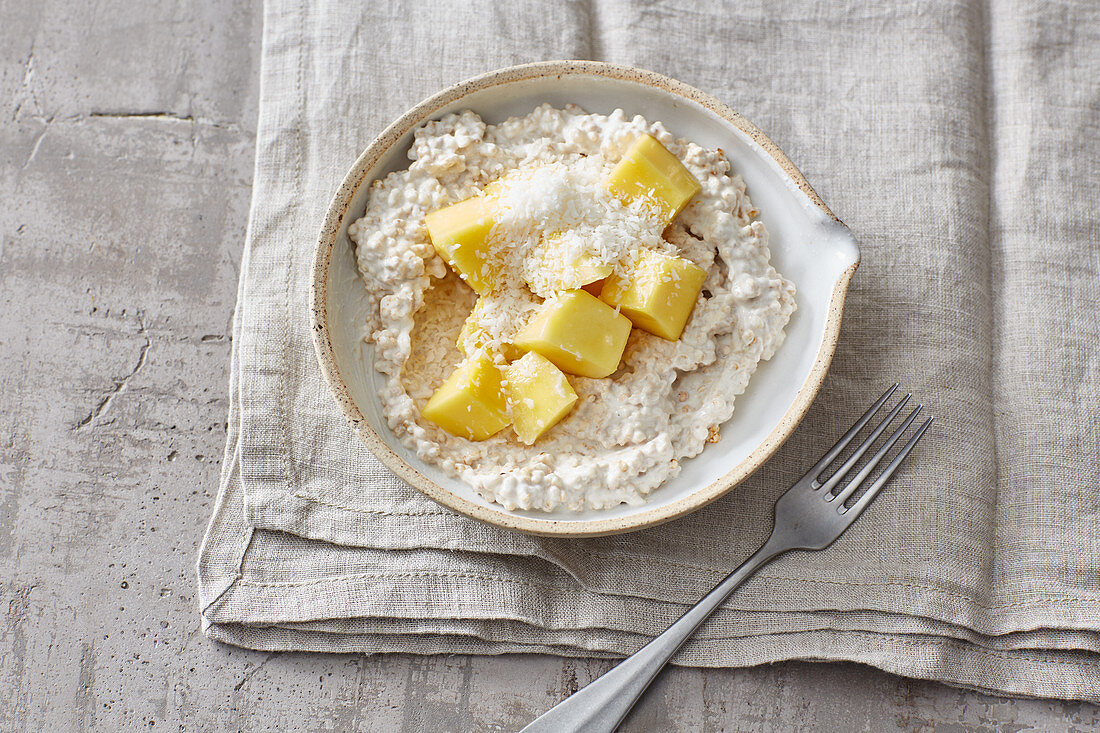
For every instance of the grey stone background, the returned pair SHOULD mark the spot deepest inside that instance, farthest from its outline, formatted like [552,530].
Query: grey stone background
[126,136]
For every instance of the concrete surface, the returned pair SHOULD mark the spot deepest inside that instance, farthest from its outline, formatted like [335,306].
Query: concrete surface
[126,136]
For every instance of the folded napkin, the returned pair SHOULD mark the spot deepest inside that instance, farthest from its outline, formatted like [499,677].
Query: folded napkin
[958,142]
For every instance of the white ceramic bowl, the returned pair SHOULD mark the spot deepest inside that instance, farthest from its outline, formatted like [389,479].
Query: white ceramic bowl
[810,246]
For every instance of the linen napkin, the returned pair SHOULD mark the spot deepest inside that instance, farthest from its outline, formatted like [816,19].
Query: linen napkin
[957,139]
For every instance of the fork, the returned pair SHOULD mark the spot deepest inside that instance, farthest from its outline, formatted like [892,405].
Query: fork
[809,516]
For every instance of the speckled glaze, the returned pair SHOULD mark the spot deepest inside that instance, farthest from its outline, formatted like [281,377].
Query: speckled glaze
[635,90]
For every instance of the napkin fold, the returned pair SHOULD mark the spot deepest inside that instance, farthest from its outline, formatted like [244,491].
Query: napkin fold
[958,140]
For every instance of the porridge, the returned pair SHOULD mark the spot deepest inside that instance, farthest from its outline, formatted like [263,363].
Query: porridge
[565,305]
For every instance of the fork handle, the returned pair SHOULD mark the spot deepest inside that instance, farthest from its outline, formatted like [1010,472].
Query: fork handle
[602,705]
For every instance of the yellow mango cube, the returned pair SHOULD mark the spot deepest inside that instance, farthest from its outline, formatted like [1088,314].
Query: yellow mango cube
[460,234]
[659,294]
[560,267]
[471,402]
[583,270]
[594,287]
[649,171]
[472,336]
[540,395]
[578,333]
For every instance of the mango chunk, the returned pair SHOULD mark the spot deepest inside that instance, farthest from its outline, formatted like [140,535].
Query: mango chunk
[594,287]
[560,268]
[471,402]
[540,395]
[472,336]
[578,333]
[659,294]
[649,171]
[460,234]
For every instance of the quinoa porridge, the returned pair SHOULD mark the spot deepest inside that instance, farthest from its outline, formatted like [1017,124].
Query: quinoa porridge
[558,231]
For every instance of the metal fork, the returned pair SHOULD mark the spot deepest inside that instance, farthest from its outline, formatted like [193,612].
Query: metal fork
[810,516]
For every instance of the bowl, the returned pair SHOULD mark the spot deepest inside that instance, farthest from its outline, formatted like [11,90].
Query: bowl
[810,246]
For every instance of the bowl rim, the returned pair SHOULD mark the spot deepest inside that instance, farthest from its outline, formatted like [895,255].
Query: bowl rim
[502,517]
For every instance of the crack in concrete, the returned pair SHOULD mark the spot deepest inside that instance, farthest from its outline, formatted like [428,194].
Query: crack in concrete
[252,672]
[38,143]
[25,87]
[121,385]
[158,115]
[161,116]
[85,691]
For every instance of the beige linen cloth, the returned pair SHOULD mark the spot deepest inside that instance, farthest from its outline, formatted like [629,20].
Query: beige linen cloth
[960,142]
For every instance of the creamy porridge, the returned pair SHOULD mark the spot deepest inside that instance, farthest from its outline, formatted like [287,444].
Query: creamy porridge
[559,231]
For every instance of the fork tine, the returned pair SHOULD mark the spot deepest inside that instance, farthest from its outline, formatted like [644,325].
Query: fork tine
[845,439]
[873,461]
[876,486]
[858,453]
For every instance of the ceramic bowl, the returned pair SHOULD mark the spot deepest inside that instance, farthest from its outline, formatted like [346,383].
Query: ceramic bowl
[809,245]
